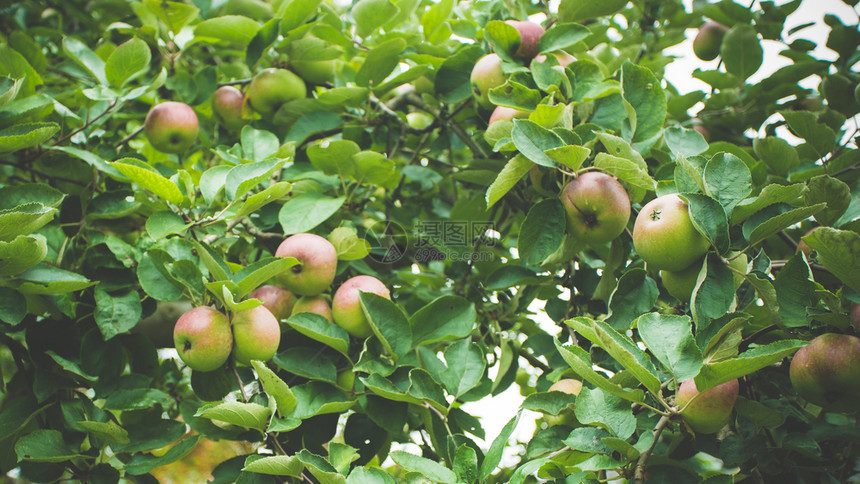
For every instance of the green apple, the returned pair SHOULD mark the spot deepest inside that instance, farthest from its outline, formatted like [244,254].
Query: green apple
[566,416]
[256,335]
[597,207]
[203,339]
[709,411]
[681,284]
[276,299]
[346,305]
[227,105]
[530,34]
[171,127]
[827,372]
[315,71]
[707,43]
[272,88]
[317,264]
[664,235]
[506,113]
[419,120]
[487,74]
[346,379]
[314,304]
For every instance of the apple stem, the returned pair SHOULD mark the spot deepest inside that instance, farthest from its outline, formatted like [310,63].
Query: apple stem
[241,383]
[642,463]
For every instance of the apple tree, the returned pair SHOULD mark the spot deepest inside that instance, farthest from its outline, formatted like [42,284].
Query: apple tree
[494,199]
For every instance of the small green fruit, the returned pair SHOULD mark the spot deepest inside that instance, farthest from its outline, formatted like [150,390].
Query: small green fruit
[708,41]
[664,235]
[272,88]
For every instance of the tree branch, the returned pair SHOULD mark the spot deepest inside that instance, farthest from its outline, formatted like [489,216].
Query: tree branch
[642,463]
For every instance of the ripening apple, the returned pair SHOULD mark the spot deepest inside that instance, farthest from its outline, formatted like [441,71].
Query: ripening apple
[854,314]
[664,235]
[314,304]
[227,106]
[563,58]
[597,207]
[506,113]
[276,299]
[272,88]
[487,74]
[346,305]
[256,335]
[682,283]
[707,43]
[827,372]
[566,416]
[710,410]
[203,338]
[171,127]
[317,264]
[530,34]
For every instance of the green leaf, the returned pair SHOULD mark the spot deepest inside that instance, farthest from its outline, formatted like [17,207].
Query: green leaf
[306,362]
[795,292]
[175,15]
[373,167]
[532,140]
[626,170]
[465,464]
[348,245]
[258,144]
[241,179]
[515,95]
[426,467]
[333,156]
[504,38]
[45,279]
[714,292]
[92,159]
[594,405]
[561,36]
[381,60]
[276,465]
[303,213]
[109,431]
[369,475]
[22,253]
[369,15]
[232,29]
[781,221]
[320,468]
[262,41]
[276,388]
[839,252]
[747,362]
[770,195]
[670,340]
[318,398]
[579,360]
[256,274]
[85,57]
[296,12]
[709,218]
[621,348]
[24,219]
[149,178]
[684,142]
[820,137]
[552,403]
[728,180]
[143,463]
[259,200]
[494,454]
[155,280]
[164,223]
[388,323]
[13,307]
[634,295]
[466,364]
[741,51]
[577,10]
[777,154]
[26,135]
[831,191]
[569,155]
[542,231]
[9,88]
[313,123]
[452,78]
[643,91]
[116,314]
[127,61]
[320,329]
[46,446]
[445,318]
[248,415]
[516,167]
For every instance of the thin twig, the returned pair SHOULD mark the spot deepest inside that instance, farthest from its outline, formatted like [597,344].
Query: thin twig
[642,463]
[241,383]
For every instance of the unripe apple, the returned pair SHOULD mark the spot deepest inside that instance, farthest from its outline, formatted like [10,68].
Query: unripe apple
[681,284]
[711,409]
[506,113]
[530,34]
[227,106]
[566,416]
[315,71]
[346,305]
[317,264]
[664,235]
[203,339]
[171,127]
[707,43]
[346,379]
[597,207]
[314,304]
[272,88]
[827,372]
[487,74]
[276,299]
[256,335]
[419,120]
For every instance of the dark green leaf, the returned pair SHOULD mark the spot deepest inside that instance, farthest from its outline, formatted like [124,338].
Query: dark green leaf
[306,211]
[709,218]
[831,191]
[643,91]
[634,295]
[532,140]
[562,36]
[741,51]
[388,322]
[728,180]
[839,252]
[542,231]
[595,406]
[670,340]
[445,318]
[381,60]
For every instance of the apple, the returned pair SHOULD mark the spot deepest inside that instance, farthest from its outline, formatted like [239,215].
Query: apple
[802,246]
[563,58]
[487,74]
[597,207]
[710,410]
[681,284]
[272,88]
[227,106]
[346,379]
[203,339]
[317,264]
[419,120]
[702,129]
[171,127]
[664,235]
[276,299]
[256,335]
[854,314]
[530,34]
[566,416]
[827,372]
[346,305]
[315,71]
[707,43]
[506,113]
[313,304]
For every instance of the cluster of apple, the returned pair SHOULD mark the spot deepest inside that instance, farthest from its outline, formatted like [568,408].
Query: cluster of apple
[172,126]
[205,338]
